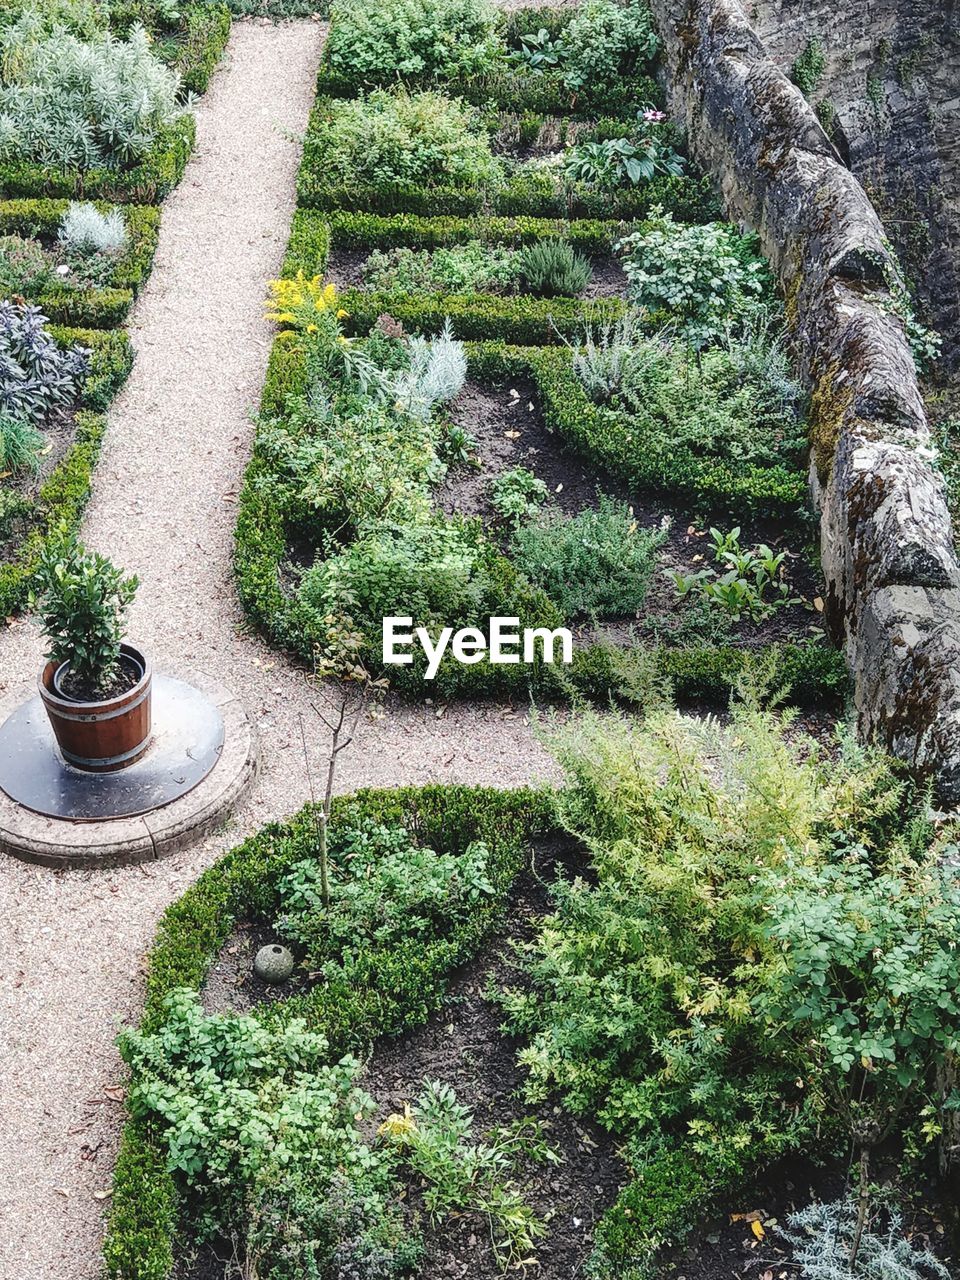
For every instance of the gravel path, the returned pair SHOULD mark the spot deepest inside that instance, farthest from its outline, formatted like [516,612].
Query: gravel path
[71,943]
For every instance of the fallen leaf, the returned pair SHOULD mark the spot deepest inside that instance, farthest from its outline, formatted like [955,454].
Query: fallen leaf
[818,604]
[757,1228]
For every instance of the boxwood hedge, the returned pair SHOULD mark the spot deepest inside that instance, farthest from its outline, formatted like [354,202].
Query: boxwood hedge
[88,308]
[63,495]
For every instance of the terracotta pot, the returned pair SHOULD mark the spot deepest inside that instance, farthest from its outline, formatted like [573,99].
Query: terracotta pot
[100,737]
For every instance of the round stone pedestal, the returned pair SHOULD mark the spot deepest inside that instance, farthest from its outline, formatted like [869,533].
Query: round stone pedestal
[201,760]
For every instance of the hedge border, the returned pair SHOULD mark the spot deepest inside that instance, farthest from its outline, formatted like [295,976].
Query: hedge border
[146,183]
[89,308]
[688,198]
[198,44]
[143,1213]
[815,672]
[64,493]
[518,318]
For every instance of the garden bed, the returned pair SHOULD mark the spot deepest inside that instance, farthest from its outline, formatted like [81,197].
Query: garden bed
[104,306]
[45,504]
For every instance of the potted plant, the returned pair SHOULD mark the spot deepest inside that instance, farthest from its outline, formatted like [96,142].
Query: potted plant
[96,690]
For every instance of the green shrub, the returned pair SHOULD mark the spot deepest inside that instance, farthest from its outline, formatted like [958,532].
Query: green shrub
[606,42]
[411,39]
[517,494]
[422,139]
[553,268]
[598,563]
[703,277]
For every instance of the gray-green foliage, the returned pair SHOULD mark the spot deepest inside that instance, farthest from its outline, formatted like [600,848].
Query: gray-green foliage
[735,400]
[822,1235]
[36,374]
[86,104]
[84,229]
[553,268]
[598,563]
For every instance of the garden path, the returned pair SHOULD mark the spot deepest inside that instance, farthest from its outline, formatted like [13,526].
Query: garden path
[163,505]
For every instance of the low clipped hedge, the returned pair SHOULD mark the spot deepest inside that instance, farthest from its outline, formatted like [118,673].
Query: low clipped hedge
[63,495]
[314,234]
[508,89]
[145,183]
[406,985]
[88,308]
[813,672]
[519,318]
[197,45]
[610,444]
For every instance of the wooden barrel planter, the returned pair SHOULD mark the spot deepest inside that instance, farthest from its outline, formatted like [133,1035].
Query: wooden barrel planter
[104,736]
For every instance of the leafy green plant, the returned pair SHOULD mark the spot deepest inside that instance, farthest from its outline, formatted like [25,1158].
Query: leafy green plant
[97,104]
[598,563]
[423,139]
[458,447]
[20,445]
[702,276]
[467,268]
[606,41]
[25,268]
[617,162]
[435,1139]
[807,70]
[82,601]
[383,889]
[640,986]
[538,52]
[752,584]
[411,39]
[517,494]
[866,977]
[553,268]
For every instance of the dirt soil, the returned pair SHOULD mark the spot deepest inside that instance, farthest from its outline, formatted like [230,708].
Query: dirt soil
[510,431]
[345,270]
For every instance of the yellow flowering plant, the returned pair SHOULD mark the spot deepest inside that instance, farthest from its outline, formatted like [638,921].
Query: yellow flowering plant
[305,304]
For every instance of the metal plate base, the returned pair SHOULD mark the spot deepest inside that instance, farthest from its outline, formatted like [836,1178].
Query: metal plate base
[188,737]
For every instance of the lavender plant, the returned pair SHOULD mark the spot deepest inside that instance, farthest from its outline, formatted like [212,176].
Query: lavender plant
[36,375]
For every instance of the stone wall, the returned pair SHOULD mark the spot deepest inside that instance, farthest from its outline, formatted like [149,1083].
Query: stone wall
[892,578]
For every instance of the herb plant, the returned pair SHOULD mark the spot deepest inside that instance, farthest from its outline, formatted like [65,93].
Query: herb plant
[36,375]
[84,229]
[552,268]
[752,582]
[422,139]
[517,494]
[598,563]
[20,445]
[618,162]
[467,268]
[87,105]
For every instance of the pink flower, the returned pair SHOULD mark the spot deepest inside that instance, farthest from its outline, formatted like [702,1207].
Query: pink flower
[654,117]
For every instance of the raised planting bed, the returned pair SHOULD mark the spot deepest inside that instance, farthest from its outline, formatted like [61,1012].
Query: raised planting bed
[38,505]
[526,409]
[62,296]
[144,183]
[617,1093]
[339,247]
[515,170]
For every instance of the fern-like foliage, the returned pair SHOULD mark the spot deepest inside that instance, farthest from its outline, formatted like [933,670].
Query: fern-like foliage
[822,1235]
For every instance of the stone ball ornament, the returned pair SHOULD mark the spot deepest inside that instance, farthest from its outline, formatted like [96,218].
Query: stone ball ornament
[273,963]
